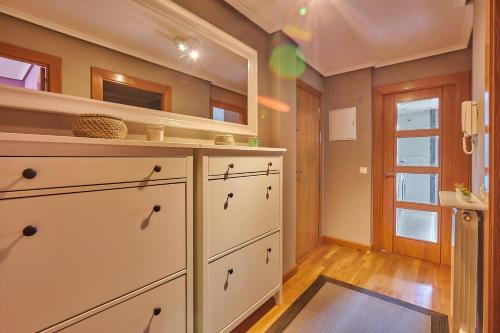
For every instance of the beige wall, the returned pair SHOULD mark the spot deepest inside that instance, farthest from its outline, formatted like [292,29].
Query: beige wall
[454,62]
[283,134]
[228,96]
[347,192]
[479,89]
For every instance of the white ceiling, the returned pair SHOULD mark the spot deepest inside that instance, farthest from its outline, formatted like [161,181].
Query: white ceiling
[338,36]
[129,27]
[13,69]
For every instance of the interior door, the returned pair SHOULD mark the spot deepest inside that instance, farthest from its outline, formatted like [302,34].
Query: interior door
[308,169]
[413,173]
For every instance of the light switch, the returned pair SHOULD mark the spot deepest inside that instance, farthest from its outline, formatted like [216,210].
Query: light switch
[363,170]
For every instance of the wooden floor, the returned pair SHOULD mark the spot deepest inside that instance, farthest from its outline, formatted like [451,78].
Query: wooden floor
[415,281]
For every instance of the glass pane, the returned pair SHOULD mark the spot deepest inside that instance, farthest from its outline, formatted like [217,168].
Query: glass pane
[418,151]
[417,224]
[419,188]
[420,114]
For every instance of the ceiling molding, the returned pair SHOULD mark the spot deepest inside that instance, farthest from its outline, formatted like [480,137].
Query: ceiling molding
[350,69]
[254,16]
[422,55]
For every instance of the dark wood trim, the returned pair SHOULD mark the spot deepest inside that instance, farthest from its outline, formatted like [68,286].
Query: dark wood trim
[53,63]
[459,80]
[98,76]
[493,245]
[346,243]
[231,107]
[291,272]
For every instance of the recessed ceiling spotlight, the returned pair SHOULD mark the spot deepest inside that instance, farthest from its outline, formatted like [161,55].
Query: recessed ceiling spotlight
[194,54]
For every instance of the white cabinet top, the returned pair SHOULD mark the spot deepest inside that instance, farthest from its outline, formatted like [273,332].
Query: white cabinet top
[168,143]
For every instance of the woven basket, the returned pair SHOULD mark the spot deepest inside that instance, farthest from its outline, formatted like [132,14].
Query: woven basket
[224,140]
[94,125]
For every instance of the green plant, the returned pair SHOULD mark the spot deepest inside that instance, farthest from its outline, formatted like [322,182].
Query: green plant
[466,192]
[459,186]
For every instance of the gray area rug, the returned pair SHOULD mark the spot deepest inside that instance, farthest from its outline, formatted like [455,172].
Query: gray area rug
[333,306]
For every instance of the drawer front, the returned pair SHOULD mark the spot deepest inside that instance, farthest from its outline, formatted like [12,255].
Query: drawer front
[235,165]
[73,171]
[89,248]
[140,314]
[241,209]
[255,272]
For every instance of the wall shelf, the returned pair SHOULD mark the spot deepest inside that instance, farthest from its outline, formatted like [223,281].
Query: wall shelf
[449,199]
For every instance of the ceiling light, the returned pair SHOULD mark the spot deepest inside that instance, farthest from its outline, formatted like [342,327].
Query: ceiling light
[182,46]
[194,54]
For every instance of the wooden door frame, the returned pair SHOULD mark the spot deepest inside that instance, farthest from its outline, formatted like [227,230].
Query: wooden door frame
[493,244]
[460,80]
[302,85]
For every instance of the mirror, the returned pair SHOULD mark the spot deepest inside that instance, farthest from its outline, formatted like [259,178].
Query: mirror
[164,64]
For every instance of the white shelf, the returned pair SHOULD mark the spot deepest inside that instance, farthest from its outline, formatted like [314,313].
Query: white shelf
[168,143]
[449,199]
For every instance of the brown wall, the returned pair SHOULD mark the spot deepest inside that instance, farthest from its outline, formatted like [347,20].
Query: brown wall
[347,192]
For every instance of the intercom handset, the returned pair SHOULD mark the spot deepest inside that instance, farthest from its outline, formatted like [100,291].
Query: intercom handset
[469,124]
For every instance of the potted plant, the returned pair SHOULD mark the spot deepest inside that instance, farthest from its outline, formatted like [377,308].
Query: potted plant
[463,193]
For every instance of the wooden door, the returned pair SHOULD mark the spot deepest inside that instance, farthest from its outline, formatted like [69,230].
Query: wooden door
[421,155]
[308,169]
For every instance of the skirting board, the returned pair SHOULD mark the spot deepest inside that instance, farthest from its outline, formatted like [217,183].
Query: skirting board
[290,273]
[346,243]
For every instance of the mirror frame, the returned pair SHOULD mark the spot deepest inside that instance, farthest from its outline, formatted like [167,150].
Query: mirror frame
[41,101]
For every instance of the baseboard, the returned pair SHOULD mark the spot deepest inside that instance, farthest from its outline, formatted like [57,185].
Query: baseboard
[346,243]
[290,273]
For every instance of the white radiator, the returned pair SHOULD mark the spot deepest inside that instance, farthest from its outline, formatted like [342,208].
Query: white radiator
[464,268]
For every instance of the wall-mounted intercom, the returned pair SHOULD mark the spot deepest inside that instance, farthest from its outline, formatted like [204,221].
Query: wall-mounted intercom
[469,125]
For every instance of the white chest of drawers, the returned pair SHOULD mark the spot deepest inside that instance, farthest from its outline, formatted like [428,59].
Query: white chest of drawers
[95,237]
[238,222]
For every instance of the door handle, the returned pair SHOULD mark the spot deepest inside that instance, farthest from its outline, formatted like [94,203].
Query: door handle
[389,174]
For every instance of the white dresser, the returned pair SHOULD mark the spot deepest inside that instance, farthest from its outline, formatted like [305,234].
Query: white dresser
[238,221]
[95,236]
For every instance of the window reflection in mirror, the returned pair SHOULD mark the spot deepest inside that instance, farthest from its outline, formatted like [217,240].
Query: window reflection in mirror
[26,68]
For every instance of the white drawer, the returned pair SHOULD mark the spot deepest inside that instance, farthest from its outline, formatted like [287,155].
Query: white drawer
[89,248]
[140,314]
[237,164]
[74,171]
[255,272]
[241,209]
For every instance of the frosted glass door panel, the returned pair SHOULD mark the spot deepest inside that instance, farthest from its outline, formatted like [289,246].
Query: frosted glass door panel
[417,188]
[417,224]
[418,151]
[418,115]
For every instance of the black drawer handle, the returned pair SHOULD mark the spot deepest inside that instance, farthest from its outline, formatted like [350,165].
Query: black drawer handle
[231,166]
[29,173]
[156,311]
[230,271]
[229,196]
[269,250]
[157,168]
[156,208]
[269,188]
[30,230]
